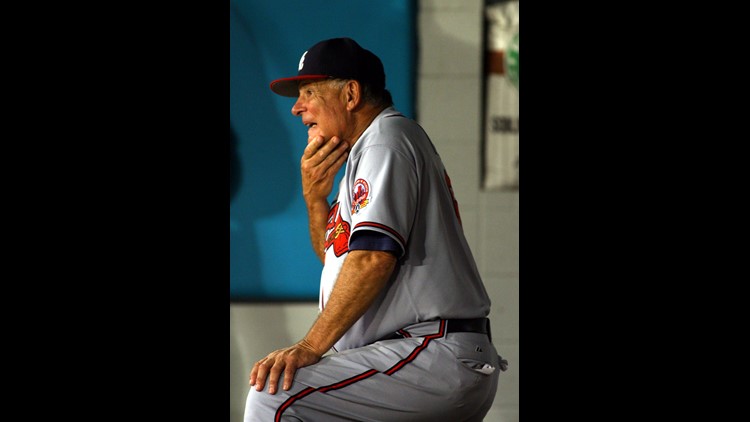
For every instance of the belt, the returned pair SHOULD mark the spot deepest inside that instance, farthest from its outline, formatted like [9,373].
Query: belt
[473,325]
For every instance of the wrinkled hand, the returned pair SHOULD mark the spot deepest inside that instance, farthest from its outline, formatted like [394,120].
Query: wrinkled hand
[287,360]
[319,165]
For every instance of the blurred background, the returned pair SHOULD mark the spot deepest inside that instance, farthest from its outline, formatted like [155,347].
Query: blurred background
[452,65]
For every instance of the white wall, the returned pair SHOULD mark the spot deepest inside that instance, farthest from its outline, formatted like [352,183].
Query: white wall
[449,108]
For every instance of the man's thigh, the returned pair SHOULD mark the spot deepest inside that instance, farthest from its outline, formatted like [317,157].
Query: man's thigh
[411,379]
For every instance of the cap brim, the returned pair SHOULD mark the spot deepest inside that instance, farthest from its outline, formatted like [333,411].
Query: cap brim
[288,87]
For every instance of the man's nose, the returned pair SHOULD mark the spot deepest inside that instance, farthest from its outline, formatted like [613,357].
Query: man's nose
[297,108]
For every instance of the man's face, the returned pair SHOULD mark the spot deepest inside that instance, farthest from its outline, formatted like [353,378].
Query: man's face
[322,107]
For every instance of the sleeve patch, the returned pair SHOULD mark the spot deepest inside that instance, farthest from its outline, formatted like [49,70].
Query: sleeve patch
[360,195]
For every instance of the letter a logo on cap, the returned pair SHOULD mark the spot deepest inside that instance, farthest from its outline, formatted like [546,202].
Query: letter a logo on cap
[302,61]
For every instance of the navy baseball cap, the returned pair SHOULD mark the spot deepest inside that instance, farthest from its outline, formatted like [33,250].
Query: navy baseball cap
[337,58]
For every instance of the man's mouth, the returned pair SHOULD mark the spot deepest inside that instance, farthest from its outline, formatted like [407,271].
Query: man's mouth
[311,125]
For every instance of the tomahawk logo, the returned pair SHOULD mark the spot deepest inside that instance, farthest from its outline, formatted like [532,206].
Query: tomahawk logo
[337,232]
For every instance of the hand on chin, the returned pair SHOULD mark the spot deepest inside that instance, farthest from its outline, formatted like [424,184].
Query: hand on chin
[312,133]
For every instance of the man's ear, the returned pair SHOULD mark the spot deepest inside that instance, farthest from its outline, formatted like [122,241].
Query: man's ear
[353,94]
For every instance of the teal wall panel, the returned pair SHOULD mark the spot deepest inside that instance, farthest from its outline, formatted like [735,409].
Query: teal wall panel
[270,253]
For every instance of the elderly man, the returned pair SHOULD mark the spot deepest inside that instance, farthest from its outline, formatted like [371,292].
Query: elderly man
[403,310]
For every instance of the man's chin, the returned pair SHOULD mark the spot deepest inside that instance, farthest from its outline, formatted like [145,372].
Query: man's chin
[312,133]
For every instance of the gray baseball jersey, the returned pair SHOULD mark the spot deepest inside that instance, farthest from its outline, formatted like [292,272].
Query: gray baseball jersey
[395,183]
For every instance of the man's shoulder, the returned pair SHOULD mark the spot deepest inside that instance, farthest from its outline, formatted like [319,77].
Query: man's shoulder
[392,124]
[393,131]
[390,117]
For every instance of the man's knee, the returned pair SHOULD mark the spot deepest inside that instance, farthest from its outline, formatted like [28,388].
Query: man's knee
[261,406]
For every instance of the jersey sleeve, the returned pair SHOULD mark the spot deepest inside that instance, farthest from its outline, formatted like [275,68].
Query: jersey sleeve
[384,193]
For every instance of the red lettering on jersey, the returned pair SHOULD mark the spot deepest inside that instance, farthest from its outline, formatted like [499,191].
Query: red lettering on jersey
[337,232]
[453,196]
